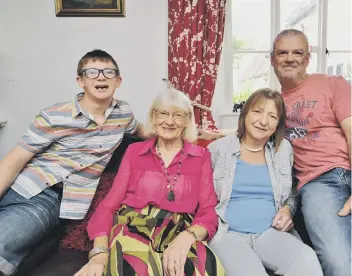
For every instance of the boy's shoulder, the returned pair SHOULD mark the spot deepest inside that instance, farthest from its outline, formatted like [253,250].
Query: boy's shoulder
[59,109]
[122,104]
[122,107]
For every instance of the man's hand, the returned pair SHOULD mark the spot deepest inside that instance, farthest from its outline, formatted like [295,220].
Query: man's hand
[283,219]
[208,135]
[346,209]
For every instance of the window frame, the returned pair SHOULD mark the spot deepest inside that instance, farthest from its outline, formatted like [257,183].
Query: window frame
[320,49]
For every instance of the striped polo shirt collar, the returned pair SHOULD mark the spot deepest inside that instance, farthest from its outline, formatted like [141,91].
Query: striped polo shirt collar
[77,109]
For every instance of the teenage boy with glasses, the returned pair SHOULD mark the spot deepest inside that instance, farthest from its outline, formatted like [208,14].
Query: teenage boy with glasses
[54,170]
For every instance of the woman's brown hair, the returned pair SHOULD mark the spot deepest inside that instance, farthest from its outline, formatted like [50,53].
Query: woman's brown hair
[268,94]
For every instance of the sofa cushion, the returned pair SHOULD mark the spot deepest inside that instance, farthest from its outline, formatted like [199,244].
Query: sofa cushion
[63,262]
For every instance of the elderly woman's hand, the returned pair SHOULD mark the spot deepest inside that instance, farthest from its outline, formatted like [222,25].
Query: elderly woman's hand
[175,255]
[95,266]
[283,219]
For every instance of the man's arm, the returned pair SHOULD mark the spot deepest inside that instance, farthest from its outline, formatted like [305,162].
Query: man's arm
[341,107]
[11,166]
[40,135]
[346,128]
[215,135]
[142,133]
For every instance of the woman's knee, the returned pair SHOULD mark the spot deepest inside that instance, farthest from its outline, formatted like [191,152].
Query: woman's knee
[237,262]
[307,254]
[307,258]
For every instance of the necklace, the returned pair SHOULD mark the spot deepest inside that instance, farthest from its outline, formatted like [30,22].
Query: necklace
[252,150]
[170,186]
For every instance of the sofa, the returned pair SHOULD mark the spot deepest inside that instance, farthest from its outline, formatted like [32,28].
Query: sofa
[65,249]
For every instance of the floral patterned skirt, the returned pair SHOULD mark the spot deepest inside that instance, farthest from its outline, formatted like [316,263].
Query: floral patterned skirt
[139,238]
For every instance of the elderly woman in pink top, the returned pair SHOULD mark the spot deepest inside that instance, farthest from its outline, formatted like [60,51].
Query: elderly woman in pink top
[161,207]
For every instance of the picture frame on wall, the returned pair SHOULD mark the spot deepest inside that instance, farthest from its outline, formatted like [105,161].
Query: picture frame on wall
[90,8]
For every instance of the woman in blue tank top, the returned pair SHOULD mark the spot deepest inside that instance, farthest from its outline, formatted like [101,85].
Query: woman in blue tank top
[253,182]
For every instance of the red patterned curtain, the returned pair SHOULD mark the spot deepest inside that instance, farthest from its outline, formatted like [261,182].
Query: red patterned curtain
[196,30]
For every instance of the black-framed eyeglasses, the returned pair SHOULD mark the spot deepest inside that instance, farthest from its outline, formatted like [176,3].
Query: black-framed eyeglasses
[93,73]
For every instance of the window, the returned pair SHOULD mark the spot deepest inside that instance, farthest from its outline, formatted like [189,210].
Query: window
[302,15]
[251,45]
[251,28]
[339,69]
[338,37]
[255,23]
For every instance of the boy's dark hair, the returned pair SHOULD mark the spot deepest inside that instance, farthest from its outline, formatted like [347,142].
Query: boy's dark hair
[268,94]
[96,55]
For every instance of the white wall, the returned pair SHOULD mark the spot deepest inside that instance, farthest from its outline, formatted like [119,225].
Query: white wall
[39,54]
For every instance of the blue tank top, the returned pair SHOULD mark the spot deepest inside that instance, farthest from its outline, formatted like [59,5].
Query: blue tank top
[251,208]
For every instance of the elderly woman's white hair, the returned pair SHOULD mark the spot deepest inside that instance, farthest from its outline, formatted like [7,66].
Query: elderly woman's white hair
[175,98]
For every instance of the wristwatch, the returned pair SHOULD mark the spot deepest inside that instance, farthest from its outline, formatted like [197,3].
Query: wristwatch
[192,232]
[97,250]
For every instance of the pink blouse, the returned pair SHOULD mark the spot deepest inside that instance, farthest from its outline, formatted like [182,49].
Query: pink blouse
[140,181]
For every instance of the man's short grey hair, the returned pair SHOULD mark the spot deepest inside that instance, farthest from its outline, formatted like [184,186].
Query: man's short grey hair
[290,32]
[174,98]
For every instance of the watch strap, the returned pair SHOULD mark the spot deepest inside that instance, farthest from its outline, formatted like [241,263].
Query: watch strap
[192,232]
[97,250]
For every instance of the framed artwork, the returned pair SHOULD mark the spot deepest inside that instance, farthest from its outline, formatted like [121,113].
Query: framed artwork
[90,7]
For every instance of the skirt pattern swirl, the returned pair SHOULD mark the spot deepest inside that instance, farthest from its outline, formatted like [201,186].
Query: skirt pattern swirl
[139,238]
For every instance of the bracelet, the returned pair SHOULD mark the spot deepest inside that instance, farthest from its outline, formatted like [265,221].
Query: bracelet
[192,232]
[97,250]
